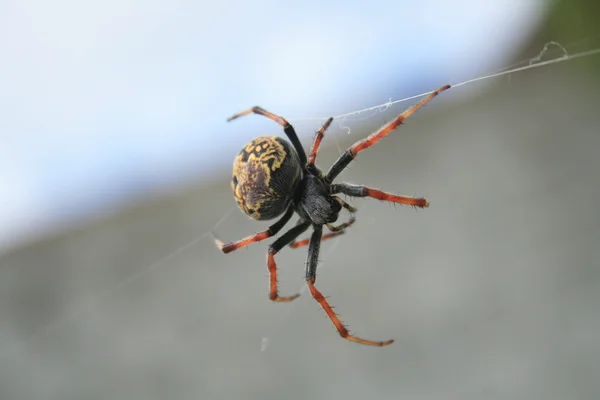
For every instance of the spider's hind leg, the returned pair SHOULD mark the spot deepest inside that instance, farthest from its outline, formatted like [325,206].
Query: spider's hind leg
[311,277]
[363,191]
[286,238]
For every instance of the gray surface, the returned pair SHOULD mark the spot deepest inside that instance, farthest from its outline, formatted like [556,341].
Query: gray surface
[492,292]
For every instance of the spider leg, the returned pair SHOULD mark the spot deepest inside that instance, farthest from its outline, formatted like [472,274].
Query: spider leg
[311,277]
[363,191]
[341,227]
[299,243]
[287,128]
[373,138]
[287,237]
[342,202]
[270,231]
[317,142]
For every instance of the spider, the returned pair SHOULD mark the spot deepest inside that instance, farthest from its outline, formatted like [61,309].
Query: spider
[270,178]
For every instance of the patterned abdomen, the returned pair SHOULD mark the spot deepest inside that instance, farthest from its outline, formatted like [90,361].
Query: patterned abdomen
[265,174]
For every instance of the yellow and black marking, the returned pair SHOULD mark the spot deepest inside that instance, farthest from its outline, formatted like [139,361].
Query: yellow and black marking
[265,175]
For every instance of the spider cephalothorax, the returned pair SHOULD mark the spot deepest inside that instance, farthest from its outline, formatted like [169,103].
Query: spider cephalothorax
[272,177]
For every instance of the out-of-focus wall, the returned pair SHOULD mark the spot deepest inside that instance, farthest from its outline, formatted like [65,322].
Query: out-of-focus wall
[492,291]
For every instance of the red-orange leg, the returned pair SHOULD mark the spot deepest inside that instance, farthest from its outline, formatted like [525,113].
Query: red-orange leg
[287,128]
[375,137]
[272,230]
[273,284]
[317,142]
[260,111]
[343,331]
[369,141]
[311,276]
[285,239]
[363,191]
[228,248]
[299,243]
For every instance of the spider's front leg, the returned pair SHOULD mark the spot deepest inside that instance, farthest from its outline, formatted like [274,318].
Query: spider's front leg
[311,277]
[257,237]
[314,149]
[376,136]
[287,128]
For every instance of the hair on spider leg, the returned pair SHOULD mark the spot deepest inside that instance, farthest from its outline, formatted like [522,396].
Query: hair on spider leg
[275,179]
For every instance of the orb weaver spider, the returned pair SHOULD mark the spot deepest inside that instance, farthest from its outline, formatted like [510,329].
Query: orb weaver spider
[270,178]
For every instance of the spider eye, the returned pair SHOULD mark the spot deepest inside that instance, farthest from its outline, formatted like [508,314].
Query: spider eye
[266,173]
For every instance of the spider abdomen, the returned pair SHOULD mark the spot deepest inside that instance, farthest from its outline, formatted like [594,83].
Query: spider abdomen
[266,173]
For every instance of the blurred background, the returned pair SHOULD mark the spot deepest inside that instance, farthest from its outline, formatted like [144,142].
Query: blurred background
[115,166]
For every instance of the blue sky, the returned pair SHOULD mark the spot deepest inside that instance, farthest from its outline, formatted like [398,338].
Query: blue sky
[102,102]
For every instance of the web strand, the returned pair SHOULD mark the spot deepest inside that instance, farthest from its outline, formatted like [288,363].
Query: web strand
[534,63]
